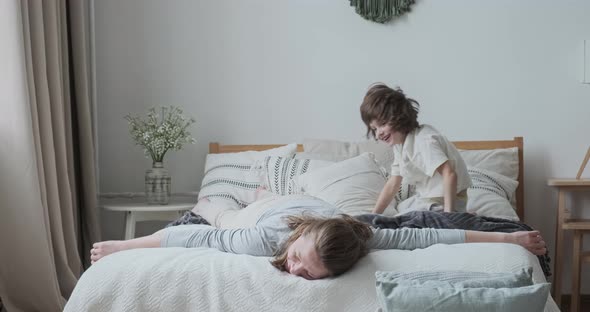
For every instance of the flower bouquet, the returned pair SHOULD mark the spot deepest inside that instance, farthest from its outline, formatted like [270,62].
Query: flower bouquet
[158,134]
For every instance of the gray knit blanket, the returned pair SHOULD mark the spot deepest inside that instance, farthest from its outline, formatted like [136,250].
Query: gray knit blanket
[188,217]
[444,220]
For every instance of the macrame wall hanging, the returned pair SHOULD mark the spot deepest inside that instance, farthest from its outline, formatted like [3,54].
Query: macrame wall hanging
[381,11]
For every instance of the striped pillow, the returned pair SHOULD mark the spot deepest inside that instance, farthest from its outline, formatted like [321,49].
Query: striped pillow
[490,194]
[281,173]
[405,191]
[233,177]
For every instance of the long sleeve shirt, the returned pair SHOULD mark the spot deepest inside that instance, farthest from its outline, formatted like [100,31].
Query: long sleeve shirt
[271,230]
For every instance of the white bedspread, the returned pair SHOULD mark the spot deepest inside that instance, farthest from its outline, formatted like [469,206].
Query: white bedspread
[199,279]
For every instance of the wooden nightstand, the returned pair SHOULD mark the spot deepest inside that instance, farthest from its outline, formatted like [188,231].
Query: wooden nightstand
[139,211]
[579,226]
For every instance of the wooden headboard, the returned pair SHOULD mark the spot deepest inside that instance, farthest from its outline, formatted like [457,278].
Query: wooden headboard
[215,148]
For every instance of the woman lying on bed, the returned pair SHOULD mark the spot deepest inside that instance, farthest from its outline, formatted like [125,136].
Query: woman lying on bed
[307,236]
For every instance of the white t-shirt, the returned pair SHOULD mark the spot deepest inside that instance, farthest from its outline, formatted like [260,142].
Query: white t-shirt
[417,159]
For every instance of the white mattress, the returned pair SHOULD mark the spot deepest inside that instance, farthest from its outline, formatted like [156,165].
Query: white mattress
[200,279]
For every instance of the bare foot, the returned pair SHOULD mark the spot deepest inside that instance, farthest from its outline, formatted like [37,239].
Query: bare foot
[105,248]
[531,240]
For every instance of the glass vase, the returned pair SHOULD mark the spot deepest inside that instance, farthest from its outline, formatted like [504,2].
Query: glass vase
[157,184]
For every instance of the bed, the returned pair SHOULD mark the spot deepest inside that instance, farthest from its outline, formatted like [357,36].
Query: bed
[202,279]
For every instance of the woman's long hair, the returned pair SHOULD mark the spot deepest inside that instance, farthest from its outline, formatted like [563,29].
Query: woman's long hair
[340,242]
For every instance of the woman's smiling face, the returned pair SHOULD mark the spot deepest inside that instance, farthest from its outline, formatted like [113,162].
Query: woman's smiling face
[385,133]
[303,260]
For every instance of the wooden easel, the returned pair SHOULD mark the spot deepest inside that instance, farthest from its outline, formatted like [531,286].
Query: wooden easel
[583,164]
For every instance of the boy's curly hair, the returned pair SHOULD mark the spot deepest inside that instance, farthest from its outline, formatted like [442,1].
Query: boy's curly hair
[389,106]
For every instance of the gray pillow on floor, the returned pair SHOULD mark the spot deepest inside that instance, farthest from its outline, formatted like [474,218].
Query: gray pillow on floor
[523,277]
[460,291]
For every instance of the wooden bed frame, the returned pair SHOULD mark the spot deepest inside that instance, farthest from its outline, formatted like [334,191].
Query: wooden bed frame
[215,148]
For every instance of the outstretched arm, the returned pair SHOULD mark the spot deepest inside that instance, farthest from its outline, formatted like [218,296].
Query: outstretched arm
[251,241]
[531,240]
[410,239]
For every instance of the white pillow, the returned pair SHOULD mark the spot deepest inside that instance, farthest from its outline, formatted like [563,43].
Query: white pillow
[232,177]
[502,160]
[490,194]
[383,152]
[280,172]
[352,185]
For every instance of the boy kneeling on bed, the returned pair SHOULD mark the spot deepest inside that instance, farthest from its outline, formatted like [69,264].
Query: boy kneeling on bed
[422,155]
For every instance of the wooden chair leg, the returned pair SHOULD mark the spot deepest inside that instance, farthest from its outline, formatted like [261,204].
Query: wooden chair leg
[576,270]
[559,235]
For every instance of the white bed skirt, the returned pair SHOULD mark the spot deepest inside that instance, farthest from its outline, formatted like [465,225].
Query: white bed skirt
[200,279]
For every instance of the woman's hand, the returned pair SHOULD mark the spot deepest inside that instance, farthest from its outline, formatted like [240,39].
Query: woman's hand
[531,240]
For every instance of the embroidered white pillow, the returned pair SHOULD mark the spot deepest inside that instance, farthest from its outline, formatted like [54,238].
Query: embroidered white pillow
[490,194]
[352,185]
[501,160]
[280,173]
[405,191]
[232,176]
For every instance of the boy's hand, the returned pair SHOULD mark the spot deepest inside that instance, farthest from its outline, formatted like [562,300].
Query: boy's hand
[387,194]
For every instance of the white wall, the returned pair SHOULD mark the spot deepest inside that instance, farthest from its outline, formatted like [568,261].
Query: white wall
[265,71]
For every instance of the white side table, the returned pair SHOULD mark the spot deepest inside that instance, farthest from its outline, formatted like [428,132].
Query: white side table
[138,211]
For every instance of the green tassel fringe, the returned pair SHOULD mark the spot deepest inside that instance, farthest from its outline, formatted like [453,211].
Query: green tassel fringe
[381,11]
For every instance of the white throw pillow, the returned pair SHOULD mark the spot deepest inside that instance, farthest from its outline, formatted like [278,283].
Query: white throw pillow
[502,160]
[232,177]
[490,194]
[383,153]
[352,185]
[280,172]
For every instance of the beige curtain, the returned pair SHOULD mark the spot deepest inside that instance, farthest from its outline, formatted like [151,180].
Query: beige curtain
[49,215]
